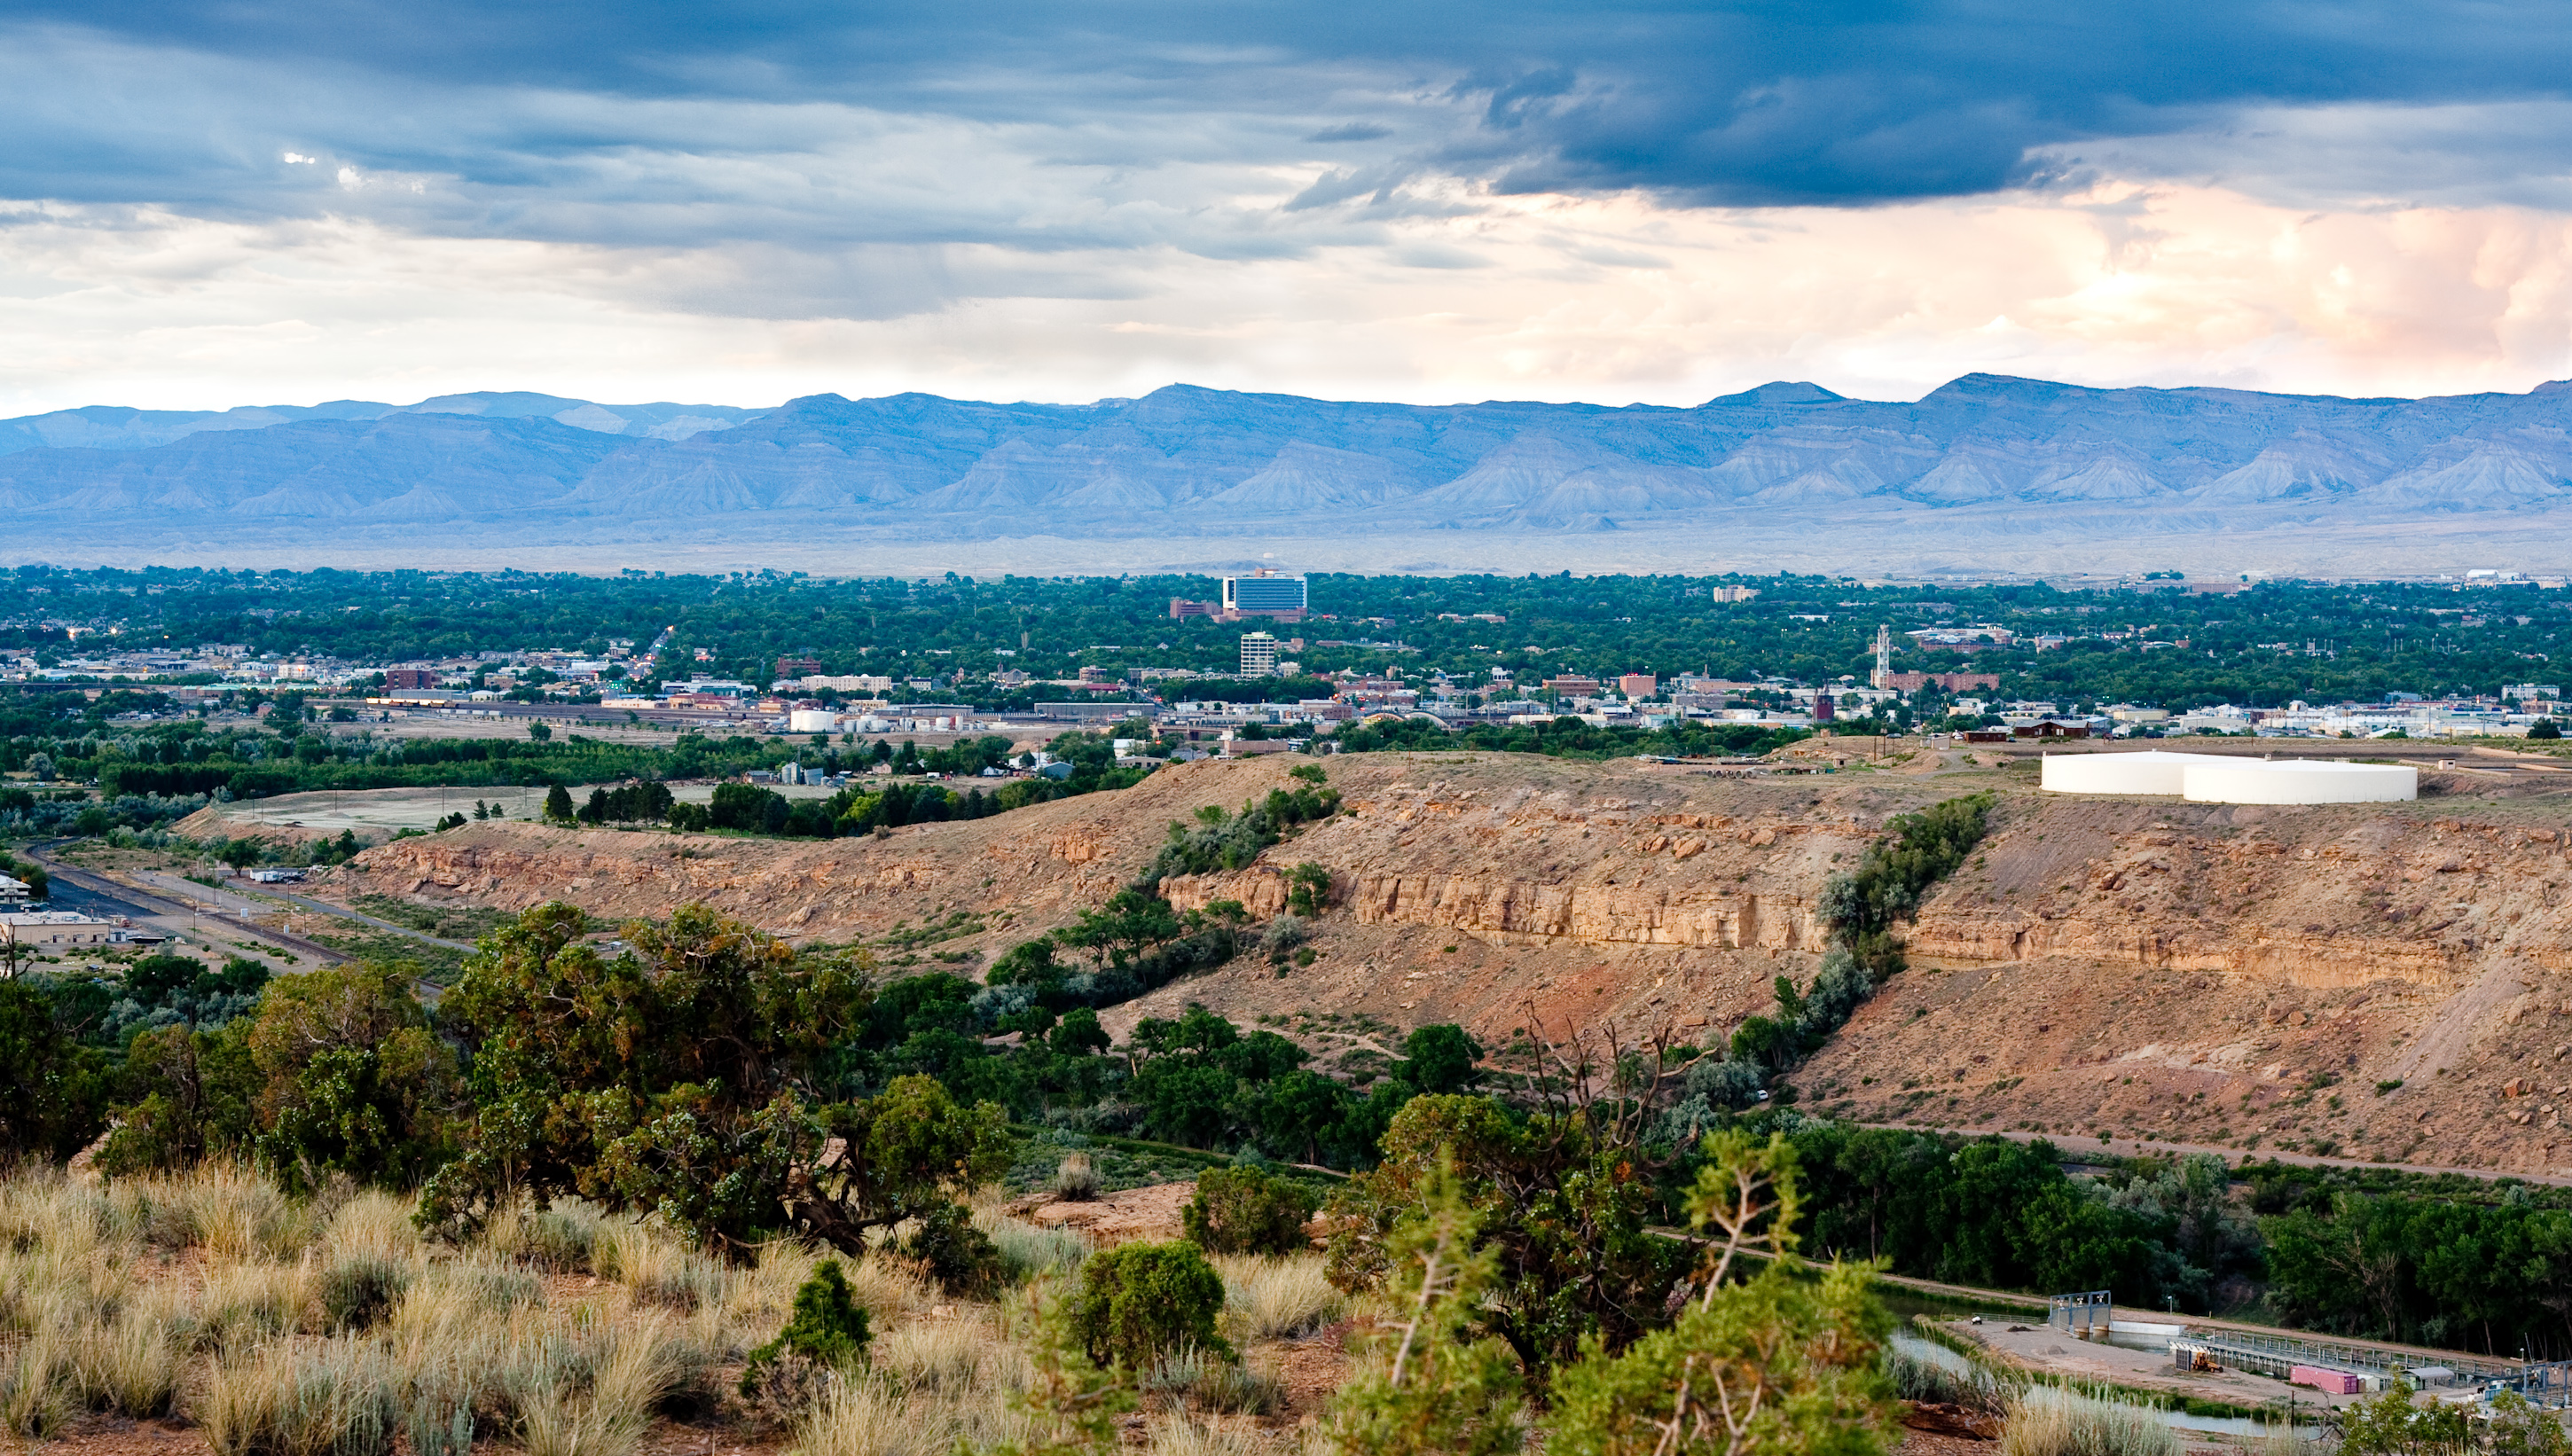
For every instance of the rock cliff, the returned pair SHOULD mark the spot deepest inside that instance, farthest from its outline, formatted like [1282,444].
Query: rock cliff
[2140,968]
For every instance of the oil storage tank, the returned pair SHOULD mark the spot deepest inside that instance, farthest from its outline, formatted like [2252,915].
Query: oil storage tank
[2297,780]
[2150,772]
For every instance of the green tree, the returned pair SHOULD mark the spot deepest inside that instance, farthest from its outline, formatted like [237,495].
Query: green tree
[2520,1429]
[1139,1301]
[558,808]
[352,1078]
[1438,1389]
[2390,1425]
[1441,1059]
[183,1094]
[1774,1362]
[1565,1198]
[827,1326]
[50,1102]
[540,731]
[1245,1210]
[1308,889]
[683,1076]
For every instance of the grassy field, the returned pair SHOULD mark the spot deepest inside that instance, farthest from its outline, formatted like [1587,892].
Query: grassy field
[276,1326]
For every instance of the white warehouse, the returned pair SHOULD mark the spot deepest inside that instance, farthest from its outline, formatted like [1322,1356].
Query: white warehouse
[2219,778]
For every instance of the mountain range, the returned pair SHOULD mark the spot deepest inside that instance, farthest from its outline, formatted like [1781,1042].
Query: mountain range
[1986,467]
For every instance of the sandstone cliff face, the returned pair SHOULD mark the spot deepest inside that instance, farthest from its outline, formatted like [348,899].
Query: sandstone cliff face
[2141,968]
[2357,979]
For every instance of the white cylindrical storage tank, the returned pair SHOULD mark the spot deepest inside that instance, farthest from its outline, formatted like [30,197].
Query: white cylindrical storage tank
[2150,772]
[2299,781]
[812,721]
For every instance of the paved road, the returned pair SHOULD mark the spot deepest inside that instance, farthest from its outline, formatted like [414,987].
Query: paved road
[2078,1143]
[103,897]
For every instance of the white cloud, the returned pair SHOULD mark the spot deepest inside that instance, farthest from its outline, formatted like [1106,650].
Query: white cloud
[2124,283]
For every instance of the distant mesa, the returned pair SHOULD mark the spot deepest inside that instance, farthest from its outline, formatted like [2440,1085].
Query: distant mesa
[1986,462]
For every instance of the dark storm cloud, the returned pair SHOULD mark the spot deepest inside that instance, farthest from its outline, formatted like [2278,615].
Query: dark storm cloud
[678,123]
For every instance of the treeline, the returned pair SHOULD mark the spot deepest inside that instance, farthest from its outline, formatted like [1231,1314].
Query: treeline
[188,758]
[1567,737]
[2453,1262]
[1089,764]
[1564,1155]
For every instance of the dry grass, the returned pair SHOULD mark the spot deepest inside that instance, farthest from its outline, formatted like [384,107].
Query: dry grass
[236,1213]
[870,1417]
[1276,1297]
[1029,1252]
[631,1367]
[131,1365]
[561,1240]
[249,1302]
[337,1397]
[1075,1179]
[656,1268]
[759,1299]
[1189,1435]
[36,1380]
[941,1354]
[2046,1421]
[1210,1383]
[890,1287]
[376,1222]
[329,1327]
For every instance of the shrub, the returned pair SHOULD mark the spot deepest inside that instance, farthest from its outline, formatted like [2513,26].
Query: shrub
[1077,1181]
[1142,1301]
[1213,1383]
[961,1257]
[359,1288]
[1244,1210]
[826,1327]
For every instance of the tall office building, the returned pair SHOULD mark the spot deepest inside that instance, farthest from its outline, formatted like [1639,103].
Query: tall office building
[1263,595]
[1258,652]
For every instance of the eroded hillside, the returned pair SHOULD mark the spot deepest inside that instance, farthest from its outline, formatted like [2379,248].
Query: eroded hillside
[2132,967]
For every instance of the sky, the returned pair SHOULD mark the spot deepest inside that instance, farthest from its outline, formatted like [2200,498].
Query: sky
[256,202]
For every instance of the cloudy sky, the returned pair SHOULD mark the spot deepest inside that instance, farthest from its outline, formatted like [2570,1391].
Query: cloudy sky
[212,204]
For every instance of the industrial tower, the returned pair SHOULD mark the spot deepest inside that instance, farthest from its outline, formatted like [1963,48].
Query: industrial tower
[1883,673]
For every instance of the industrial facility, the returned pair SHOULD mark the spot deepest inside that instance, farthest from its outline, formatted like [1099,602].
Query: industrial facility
[2218,778]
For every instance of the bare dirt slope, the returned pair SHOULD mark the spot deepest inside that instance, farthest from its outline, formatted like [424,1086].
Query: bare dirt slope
[2128,966]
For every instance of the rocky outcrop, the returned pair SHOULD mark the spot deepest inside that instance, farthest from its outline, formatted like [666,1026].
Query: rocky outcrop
[2134,965]
[1526,912]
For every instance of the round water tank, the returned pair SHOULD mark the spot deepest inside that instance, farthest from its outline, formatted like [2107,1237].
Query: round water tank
[812,721]
[2150,772]
[2299,781]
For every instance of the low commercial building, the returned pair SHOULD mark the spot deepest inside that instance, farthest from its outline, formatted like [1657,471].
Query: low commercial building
[61,929]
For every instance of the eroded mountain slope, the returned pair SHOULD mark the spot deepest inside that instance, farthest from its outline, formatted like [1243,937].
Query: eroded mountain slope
[2127,966]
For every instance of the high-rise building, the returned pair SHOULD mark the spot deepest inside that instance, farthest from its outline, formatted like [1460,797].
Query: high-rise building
[1263,595]
[1258,652]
